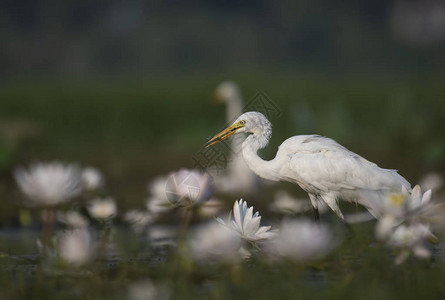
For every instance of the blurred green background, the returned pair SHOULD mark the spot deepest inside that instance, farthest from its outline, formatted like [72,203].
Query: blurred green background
[126,86]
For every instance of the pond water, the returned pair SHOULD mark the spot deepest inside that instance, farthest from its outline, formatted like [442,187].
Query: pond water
[147,264]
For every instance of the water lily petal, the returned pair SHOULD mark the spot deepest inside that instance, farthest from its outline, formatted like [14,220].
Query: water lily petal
[263,229]
[247,217]
[236,212]
[251,227]
[426,197]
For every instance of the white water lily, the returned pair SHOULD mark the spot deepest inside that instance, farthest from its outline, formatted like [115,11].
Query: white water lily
[419,201]
[386,226]
[72,219]
[247,224]
[103,208]
[301,240]
[410,238]
[214,242]
[188,187]
[182,188]
[404,222]
[403,205]
[49,184]
[157,202]
[76,246]
[146,289]
[92,179]
[398,208]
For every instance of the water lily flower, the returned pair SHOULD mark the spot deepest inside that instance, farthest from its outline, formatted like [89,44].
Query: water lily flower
[72,219]
[158,203]
[386,226]
[214,242]
[418,200]
[49,184]
[403,204]
[188,187]
[398,208]
[247,224]
[103,208]
[184,188]
[92,179]
[301,240]
[403,224]
[146,289]
[410,238]
[76,246]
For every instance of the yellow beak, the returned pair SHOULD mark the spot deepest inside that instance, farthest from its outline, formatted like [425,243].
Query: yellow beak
[229,131]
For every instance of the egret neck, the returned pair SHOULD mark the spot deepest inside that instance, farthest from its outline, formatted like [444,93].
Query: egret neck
[254,142]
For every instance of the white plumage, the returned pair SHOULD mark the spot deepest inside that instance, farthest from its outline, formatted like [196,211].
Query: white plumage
[326,170]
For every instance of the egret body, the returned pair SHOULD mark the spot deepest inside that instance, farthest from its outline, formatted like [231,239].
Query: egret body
[326,170]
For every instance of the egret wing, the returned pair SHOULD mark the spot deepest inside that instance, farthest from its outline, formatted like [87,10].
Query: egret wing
[324,165]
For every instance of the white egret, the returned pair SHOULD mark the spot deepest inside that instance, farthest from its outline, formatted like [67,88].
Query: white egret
[238,178]
[228,92]
[326,170]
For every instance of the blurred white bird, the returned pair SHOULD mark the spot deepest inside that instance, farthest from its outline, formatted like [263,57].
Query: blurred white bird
[238,177]
[326,170]
[229,92]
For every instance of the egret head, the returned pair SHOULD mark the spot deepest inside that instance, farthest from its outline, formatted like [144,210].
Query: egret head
[227,91]
[252,122]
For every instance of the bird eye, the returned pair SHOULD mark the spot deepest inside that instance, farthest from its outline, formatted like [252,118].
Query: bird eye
[242,122]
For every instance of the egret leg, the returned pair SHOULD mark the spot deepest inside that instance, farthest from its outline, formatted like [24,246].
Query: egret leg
[349,230]
[314,202]
[333,204]
[316,214]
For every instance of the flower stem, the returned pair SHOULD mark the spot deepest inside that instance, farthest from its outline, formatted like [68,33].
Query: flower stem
[48,220]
